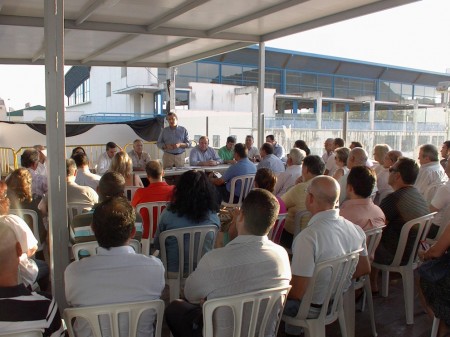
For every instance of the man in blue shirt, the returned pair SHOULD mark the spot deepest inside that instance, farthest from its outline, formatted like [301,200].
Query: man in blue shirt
[242,167]
[269,159]
[278,150]
[203,155]
[173,140]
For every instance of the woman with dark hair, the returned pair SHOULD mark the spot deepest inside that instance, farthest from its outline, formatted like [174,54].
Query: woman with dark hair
[77,150]
[301,144]
[195,202]
[266,179]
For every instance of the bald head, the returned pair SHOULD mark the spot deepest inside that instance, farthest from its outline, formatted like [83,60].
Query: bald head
[357,157]
[325,193]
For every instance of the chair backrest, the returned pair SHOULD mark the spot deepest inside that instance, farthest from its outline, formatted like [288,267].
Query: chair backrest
[340,270]
[91,248]
[77,208]
[133,310]
[420,226]
[301,218]
[154,210]
[253,312]
[24,333]
[243,184]
[277,228]
[194,237]
[27,214]
[130,191]
[373,237]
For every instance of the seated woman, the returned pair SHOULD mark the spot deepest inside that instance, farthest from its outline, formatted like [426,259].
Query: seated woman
[341,162]
[301,144]
[437,294]
[123,164]
[16,194]
[194,203]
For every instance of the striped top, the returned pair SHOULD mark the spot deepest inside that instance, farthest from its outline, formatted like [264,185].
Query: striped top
[21,310]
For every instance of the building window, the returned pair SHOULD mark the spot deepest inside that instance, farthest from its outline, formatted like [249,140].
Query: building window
[216,141]
[108,89]
[81,94]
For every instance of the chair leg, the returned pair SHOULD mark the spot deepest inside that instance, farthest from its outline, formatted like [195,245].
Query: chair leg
[368,295]
[384,283]
[349,315]
[435,327]
[408,293]
[343,322]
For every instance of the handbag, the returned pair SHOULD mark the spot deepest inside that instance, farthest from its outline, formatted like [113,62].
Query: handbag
[435,270]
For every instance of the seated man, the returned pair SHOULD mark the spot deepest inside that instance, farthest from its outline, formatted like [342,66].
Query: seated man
[327,236]
[441,204]
[84,176]
[116,274]
[404,204]
[75,192]
[359,207]
[226,152]
[253,151]
[203,155]
[112,184]
[248,263]
[21,308]
[138,156]
[42,166]
[158,190]
[330,164]
[431,174]
[286,179]
[278,150]
[269,159]
[30,160]
[104,161]
[242,167]
[294,199]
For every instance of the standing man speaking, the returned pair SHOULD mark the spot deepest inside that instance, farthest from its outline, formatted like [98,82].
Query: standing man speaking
[173,140]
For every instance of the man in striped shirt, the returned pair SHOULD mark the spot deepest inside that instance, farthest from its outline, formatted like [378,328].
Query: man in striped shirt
[20,308]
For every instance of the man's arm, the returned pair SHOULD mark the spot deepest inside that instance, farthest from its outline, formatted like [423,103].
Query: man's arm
[299,286]
[363,267]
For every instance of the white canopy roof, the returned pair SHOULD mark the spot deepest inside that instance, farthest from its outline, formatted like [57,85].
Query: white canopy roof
[165,33]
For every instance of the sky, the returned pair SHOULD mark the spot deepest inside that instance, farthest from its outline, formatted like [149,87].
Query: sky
[412,36]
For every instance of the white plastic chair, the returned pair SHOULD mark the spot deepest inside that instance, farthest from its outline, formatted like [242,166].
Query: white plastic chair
[24,213]
[91,248]
[196,236]
[341,269]
[277,228]
[246,185]
[435,327]
[77,208]
[422,225]
[254,311]
[24,333]
[372,239]
[130,191]
[154,210]
[134,310]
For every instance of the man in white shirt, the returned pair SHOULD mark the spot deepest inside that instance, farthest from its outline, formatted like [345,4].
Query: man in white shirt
[431,174]
[84,176]
[357,157]
[253,151]
[138,156]
[441,204]
[30,160]
[327,236]
[75,192]
[286,179]
[42,166]
[116,274]
[248,263]
[329,149]
[203,154]
[104,161]
[330,164]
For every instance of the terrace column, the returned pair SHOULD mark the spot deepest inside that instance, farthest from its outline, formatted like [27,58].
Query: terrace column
[56,142]
[261,84]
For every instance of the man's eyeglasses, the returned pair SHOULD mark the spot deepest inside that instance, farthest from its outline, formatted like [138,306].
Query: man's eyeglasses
[3,195]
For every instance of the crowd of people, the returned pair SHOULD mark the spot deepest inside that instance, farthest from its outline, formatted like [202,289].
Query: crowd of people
[344,192]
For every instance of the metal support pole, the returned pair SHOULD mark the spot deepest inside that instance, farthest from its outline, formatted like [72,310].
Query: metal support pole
[261,84]
[56,141]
